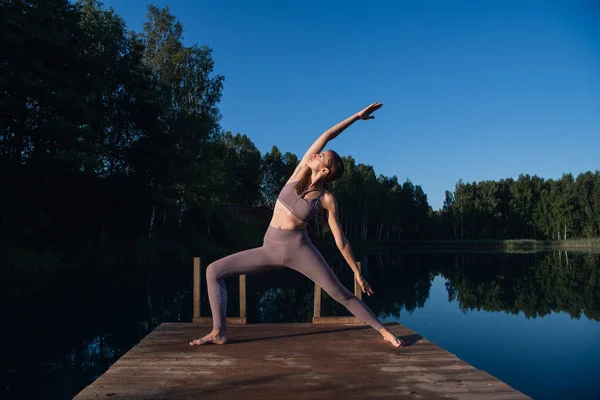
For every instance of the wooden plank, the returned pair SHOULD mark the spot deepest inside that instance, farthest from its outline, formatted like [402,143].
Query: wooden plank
[336,320]
[317,302]
[303,361]
[357,288]
[243,296]
[196,289]
[230,320]
[196,318]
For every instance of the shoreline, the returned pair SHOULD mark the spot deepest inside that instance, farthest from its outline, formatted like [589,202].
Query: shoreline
[500,244]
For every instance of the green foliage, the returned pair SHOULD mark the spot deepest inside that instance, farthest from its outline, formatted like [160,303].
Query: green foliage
[380,208]
[275,170]
[528,208]
[105,135]
[237,170]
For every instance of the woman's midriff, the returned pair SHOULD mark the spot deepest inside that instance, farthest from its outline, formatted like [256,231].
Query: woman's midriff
[284,219]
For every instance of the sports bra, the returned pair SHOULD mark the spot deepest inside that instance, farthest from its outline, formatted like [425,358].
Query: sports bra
[305,209]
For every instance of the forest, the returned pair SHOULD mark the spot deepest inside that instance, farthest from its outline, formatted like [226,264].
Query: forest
[112,153]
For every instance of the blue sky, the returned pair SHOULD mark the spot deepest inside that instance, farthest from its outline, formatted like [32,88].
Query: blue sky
[471,89]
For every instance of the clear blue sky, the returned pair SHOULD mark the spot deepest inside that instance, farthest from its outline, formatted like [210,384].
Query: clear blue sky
[471,89]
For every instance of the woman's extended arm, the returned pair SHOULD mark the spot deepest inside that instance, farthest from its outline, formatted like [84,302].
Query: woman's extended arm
[330,204]
[333,132]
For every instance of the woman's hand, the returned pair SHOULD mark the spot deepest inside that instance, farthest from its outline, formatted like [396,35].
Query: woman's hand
[366,288]
[366,113]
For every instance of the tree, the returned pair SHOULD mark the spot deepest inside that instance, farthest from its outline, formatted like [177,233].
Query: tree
[367,193]
[448,218]
[422,211]
[522,204]
[188,95]
[584,187]
[596,203]
[346,190]
[43,89]
[273,176]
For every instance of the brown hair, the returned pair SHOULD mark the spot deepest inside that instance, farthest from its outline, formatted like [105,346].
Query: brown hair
[335,167]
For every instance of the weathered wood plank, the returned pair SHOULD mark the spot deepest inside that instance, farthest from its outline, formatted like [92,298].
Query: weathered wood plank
[230,320]
[304,361]
[196,283]
[357,288]
[243,297]
[317,302]
[336,320]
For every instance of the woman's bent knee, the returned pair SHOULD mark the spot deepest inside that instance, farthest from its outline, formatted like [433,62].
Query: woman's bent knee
[212,271]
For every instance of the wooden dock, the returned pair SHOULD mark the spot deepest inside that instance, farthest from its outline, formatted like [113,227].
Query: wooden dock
[292,361]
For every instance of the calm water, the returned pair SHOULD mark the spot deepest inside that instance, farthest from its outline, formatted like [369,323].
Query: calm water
[531,320]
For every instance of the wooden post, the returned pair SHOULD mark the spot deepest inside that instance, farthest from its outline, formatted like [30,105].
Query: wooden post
[196,289]
[357,288]
[196,318]
[317,303]
[317,319]
[243,297]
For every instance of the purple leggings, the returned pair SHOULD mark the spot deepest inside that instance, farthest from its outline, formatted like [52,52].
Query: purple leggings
[290,248]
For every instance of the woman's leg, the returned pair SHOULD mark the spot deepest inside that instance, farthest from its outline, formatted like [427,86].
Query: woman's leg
[245,262]
[307,260]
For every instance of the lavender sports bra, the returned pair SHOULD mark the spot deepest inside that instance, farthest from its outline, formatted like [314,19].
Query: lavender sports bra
[305,209]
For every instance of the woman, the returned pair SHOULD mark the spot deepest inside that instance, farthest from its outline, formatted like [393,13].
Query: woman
[287,244]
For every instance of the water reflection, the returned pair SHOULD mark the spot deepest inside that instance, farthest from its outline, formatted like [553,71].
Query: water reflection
[532,284]
[60,333]
[535,284]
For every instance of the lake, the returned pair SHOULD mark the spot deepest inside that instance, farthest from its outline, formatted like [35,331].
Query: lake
[529,319]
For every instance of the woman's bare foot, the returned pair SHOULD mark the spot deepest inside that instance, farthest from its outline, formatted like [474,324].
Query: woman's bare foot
[390,337]
[214,337]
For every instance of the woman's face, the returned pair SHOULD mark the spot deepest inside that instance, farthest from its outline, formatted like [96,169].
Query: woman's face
[320,161]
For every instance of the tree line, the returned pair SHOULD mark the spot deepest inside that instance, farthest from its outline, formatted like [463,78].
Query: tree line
[111,149]
[529,207]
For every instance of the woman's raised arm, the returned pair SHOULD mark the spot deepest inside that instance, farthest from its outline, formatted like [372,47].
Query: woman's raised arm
[333,132]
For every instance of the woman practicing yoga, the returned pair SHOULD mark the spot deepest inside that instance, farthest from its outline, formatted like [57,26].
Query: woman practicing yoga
[286,243]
